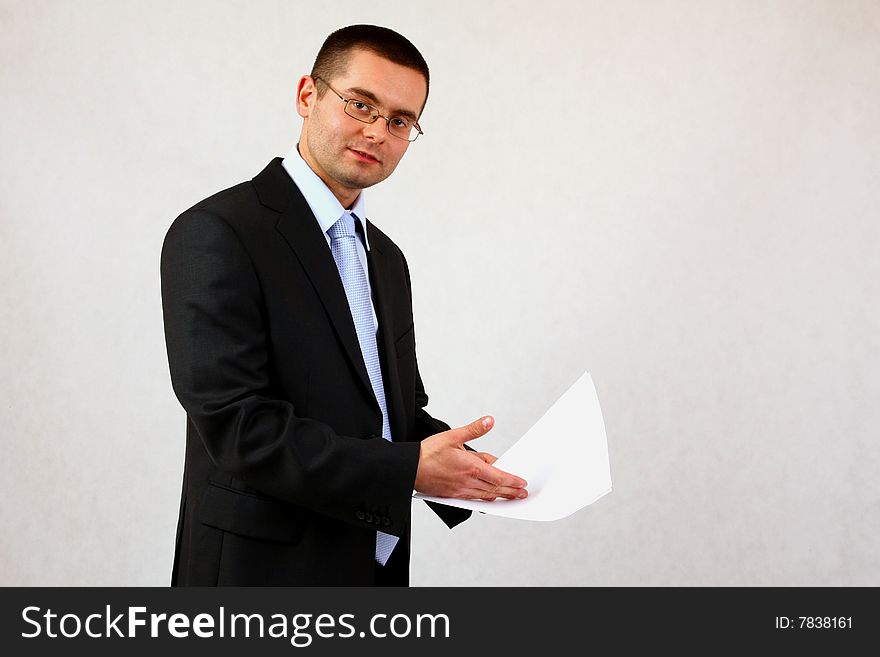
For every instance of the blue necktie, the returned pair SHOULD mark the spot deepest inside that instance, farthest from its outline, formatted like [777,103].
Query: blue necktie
[354,279]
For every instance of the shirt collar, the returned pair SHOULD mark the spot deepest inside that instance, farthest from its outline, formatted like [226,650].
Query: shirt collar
[324,205]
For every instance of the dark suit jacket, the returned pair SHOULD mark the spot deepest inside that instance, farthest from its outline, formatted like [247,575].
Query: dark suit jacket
[286,478]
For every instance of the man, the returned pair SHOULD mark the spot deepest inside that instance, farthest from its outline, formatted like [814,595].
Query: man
[289,328]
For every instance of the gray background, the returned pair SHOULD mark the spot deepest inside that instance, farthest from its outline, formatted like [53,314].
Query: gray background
[681,197]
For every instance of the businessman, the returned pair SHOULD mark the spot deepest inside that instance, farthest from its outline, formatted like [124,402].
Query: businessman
[291,344]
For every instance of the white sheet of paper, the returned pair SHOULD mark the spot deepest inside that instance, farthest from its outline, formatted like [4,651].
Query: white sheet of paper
[564,457]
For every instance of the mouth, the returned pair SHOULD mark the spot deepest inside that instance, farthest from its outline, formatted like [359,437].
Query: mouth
[364,156]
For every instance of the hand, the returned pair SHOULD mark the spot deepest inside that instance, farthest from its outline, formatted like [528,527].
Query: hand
[447,469]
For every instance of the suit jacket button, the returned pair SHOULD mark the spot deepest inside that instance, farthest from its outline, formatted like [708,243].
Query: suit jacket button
[386,521]
[369,518]
[359,515]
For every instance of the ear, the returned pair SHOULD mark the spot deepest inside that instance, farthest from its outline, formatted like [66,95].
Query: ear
[306,95]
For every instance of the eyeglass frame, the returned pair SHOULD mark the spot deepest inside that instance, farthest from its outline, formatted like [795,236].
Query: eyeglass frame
[374,109]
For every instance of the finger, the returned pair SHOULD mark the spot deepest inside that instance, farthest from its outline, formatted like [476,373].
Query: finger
[488,458]
[495,477]
[508,493]
[478,494]
[475,429]
[489,493]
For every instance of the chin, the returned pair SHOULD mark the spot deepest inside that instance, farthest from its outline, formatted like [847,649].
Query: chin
[360,182]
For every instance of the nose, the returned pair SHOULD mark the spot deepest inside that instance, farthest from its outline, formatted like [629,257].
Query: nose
[376,130]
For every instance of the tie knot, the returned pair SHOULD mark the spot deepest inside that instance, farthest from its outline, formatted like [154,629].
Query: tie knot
[344,227]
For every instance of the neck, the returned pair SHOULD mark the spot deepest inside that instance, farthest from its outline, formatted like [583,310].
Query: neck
[345,195]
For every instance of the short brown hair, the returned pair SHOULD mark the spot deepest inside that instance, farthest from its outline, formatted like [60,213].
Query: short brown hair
[332,59]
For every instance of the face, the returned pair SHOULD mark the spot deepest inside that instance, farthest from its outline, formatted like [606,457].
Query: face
[349,155]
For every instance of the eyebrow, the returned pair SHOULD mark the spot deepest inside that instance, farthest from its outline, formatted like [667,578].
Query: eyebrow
[369,95]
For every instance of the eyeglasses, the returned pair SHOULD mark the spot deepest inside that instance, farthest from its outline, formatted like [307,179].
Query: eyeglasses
[398,126]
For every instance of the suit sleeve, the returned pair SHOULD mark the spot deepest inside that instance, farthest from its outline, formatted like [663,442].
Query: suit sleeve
[426,425]
[217,352]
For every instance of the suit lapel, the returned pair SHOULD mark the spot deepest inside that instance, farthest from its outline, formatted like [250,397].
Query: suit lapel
[300,230]
[378,266]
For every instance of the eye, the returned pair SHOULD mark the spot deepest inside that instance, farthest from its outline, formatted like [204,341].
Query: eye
[400,123]
[360,106]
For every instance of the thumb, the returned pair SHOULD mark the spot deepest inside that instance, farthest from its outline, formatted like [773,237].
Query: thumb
[475,429]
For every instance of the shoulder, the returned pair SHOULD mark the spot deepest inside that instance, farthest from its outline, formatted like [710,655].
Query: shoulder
[380,240]
[392,254]
[235,211]
[228,205]
[216,223]
[228,200]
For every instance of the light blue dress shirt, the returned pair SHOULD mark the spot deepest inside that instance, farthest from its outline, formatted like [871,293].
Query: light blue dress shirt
[327,208]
